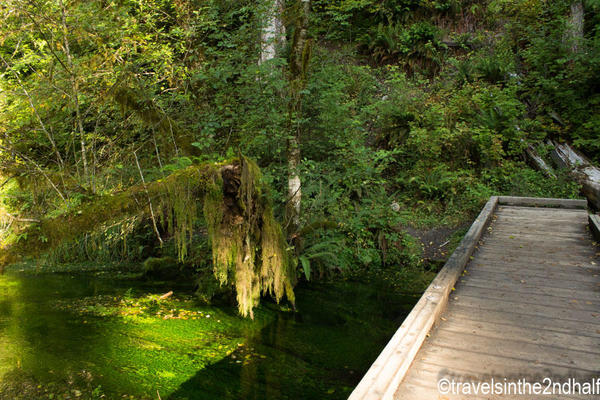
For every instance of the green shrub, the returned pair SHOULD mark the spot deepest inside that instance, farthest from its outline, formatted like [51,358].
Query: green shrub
[418,47]
[163,268]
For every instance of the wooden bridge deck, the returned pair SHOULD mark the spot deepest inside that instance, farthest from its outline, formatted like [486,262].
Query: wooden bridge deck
[525,306]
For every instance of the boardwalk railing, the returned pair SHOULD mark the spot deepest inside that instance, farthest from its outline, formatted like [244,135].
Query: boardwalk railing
[390,367]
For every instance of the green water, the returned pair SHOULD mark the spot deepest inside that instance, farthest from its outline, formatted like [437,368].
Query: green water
[86,336]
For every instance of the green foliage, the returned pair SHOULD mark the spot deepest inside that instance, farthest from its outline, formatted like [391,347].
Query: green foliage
[417,47]
[514,179]
[423,105]
[163,268]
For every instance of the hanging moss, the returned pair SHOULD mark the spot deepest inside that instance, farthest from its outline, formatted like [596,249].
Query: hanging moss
[248,246]
[277,270]
[180,211]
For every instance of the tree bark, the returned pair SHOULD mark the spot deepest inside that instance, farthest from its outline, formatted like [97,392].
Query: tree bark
[581,169]
[299,60]
[538,162]
[273,32]
[575,26]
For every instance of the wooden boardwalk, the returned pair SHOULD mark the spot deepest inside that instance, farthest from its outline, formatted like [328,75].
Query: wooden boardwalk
[526,305]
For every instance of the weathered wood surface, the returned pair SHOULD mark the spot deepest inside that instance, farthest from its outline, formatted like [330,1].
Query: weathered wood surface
[386,373]
[580,168]
[542,202]
[595,225]
[526,306]
[538,162]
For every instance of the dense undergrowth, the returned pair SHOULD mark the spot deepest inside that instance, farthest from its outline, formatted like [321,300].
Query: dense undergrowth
[414,113]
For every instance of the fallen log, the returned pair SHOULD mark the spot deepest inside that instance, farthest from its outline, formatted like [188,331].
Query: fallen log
[248,246]
[538,162]
[580,168]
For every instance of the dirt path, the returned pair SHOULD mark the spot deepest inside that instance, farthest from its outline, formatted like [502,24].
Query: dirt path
[438,243]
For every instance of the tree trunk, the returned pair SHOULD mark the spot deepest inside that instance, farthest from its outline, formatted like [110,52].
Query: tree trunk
[75,90]
[538,162]
[273,33]
[299,60]
[581,169]
[294,184]
[574,35]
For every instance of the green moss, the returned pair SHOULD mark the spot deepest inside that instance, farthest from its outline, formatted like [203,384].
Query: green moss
[248,244]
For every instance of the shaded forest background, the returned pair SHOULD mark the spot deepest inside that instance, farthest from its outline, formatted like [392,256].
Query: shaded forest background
[413,112]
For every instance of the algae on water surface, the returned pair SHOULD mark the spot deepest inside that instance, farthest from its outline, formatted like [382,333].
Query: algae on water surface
[83,336]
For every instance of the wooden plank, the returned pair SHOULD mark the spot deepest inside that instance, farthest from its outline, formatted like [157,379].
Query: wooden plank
[540,246]
[532,283]
[547,212]
[464,312]
[502,258]
[386,373]
[492,329]
[544,216]
[532,218]
[544,237]
[557,313]
[542,202]
[521,289]
[412,391]
[535,226]
[484,364]
[508,233]
[429,374]
[588,301]
[557,355]
[422,381]
[493,361]
[541,209]
[517,254]
[492,271]
[594,221]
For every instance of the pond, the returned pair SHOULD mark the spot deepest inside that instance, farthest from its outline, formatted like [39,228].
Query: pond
[110,336]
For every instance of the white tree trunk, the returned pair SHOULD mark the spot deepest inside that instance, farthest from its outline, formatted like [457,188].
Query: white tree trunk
[273,32]
[299,58]
[294,184]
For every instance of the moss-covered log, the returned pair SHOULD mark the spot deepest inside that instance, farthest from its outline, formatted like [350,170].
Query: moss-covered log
[248,246]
